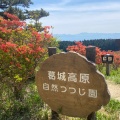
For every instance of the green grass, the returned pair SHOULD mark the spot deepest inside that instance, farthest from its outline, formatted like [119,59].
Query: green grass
[114,74]
[113,106]
[114,78]
[110,112]
[30,108]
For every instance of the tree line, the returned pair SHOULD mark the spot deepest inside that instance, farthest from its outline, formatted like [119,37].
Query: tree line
[104,44]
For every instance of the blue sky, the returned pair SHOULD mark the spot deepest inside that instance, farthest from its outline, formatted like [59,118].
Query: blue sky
[77,16]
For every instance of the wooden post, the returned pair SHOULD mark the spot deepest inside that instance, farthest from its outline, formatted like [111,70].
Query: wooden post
[55,116]
[92,116]
[51,51]
[90,54]
[107,69]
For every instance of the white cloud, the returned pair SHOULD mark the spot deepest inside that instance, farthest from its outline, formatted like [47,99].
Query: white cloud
[62,6]
[106,22]
[89,17]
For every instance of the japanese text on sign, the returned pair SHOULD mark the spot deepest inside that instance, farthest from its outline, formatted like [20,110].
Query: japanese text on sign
[83,78]
[70,77]
[63,89]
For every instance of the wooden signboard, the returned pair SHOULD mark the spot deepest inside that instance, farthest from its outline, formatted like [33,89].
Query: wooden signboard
[71,85]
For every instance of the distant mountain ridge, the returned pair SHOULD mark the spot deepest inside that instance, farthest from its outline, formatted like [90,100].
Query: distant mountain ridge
[86,36]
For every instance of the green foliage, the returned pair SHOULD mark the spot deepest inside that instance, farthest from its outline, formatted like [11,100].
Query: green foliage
[64,44]
[114,74]
[104,44]
[37,26]
[36,14]
[12,6]
[101,116]
[113,106]
[31,107]
[16,11]
[101,68]
[111,111]
[20,52]
[8,3]
[115,78]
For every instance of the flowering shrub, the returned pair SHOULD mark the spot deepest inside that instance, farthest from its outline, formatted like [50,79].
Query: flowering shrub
[20,50]
[80,48]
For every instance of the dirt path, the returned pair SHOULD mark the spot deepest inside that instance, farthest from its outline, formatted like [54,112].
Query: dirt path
[114,90]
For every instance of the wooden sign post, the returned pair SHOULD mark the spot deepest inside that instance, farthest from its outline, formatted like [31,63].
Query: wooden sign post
[108,59]
[71,85]
[90,54]
[52,51]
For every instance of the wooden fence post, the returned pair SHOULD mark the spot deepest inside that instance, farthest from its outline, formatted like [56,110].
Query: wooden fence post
[51,51]
[107,69]
[90,54]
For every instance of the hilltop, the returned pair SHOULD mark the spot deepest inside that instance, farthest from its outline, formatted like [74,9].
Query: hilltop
[86,36]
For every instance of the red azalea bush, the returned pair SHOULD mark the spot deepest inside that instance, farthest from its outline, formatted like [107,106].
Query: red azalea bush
[80,48]
[20,51]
